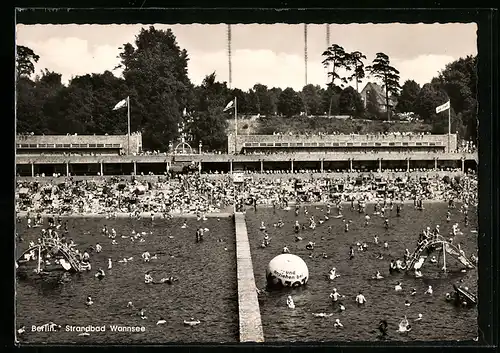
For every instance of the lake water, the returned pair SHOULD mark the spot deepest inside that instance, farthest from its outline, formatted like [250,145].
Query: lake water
[206,290]
[441,320]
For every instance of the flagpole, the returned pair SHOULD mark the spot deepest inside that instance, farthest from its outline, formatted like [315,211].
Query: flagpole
[235,126]
[449,127]
[128,116]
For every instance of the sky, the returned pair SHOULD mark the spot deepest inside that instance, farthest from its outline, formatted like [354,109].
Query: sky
[272,55]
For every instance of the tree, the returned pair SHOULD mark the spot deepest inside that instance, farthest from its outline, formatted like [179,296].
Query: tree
[372,104]
[459,81]
[264,99]
[25,61]
[311,96]
[155,71]
[209,122]
[409,94]
[389,76]
[428,99]
[350,102]
[354,61]
[330,100]
[289,103]
[336,57]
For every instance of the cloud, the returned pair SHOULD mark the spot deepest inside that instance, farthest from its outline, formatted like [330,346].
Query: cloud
[286,70]
[74,56]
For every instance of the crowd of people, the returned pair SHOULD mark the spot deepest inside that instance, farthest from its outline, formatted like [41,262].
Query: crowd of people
[203,193]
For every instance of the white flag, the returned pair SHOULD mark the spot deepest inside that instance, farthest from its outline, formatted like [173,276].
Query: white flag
[443,107]
[229,105]
[120,104]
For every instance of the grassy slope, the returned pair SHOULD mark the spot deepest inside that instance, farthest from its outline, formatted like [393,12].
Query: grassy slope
[301,125]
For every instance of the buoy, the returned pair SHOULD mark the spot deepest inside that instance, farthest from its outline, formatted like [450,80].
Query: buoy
[287,270]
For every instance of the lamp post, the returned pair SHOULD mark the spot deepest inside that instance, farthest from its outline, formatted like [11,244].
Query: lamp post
[199,147]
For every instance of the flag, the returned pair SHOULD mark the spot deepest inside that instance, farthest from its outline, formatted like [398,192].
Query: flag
[229,105]
[443,107]
[120,104]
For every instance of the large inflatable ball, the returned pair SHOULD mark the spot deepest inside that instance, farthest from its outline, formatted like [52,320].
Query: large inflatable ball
[287,270]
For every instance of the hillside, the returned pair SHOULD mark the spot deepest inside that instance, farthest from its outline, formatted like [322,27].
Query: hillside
[325,125]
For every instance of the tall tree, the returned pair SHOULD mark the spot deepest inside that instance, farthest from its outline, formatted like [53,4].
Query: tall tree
[264,98]
[311,95]
[25,61]
[335,59]
[350,102]
[289,103]
[381,68]
[459,81]
[209,122]
[409,94]
[372,104]
[354,61]
[156,74]
[429,97]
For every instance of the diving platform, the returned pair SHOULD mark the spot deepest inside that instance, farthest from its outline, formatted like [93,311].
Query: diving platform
[250,324]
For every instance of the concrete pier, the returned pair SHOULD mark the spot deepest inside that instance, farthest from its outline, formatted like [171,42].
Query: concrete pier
[248,304]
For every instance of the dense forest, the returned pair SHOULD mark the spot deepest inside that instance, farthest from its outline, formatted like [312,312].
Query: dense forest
[165,103]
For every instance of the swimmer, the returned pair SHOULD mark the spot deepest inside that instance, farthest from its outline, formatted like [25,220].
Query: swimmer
[289,302]
[378,276]
[146,256]
[100,274]
[407,302]
[285,250]
[130,305]
[419,318]
[398,287]
[21,330]
[338,323]
[184,225]
[360,299]
[333,274]
[351,253]
[262,226]
[89,301]
[413,291]
[341,307]
[161,322]
[148,279]
[382,327]
[418,274]
[429,290]
[335,295]
[142,314]
[386,245]
[310,246]
[448,297]
[322,315]
[98,248]
[404,326]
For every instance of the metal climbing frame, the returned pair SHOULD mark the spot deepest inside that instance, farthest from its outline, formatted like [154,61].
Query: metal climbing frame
[434,243]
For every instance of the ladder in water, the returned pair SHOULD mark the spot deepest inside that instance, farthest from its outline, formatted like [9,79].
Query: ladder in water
[446,247]
[51,243]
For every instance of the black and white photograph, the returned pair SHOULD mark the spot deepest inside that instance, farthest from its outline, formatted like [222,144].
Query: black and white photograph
[235,183]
